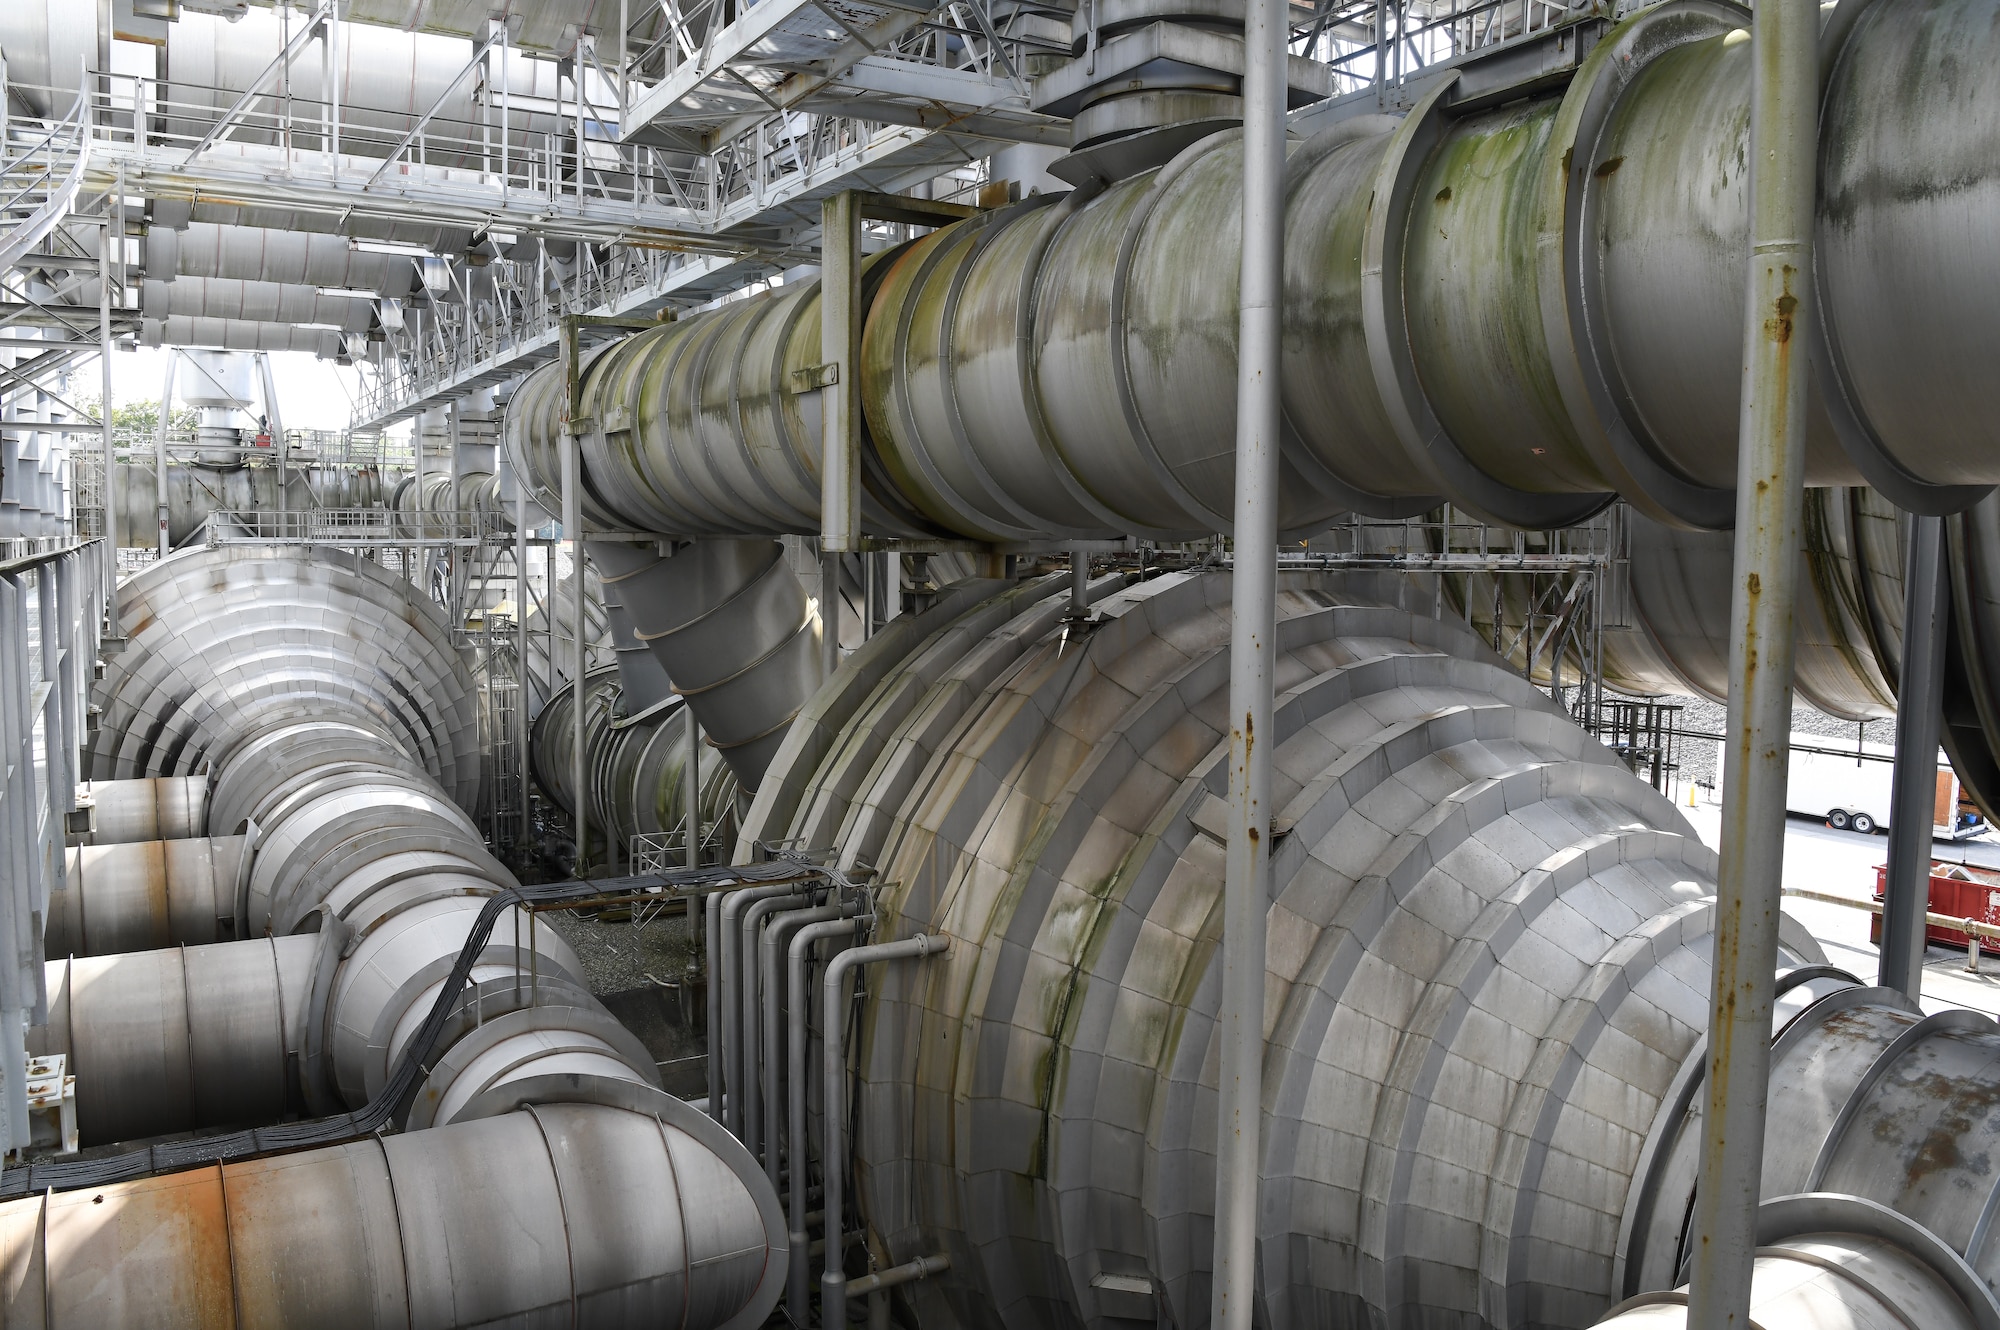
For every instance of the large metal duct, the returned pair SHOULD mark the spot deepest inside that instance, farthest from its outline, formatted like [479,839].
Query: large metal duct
[195,492]
[388,80]
[634,765]
[238,335]
[144,894]
[334,713]
[1849,619]
[551,630]
[580,1215]
[1487,980]
[735,631]
[1524,308]
[320,631]
[222,298]
[538,25]
[148,808]
[260,254]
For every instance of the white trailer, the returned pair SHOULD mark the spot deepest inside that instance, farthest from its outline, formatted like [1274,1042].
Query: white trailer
[1848,784]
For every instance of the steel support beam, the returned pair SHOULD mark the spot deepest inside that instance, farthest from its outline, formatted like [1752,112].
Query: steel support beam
[1913,797]
[1770,496]
[160,449]
[1252,648]
[840,406]
[110,489]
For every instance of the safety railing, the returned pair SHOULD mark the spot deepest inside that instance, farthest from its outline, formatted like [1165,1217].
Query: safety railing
[52,616]
[38,184]
[356,528]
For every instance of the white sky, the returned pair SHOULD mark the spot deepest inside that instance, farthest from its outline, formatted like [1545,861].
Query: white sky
[312,393]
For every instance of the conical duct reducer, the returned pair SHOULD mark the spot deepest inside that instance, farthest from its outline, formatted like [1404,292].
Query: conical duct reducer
[736,632]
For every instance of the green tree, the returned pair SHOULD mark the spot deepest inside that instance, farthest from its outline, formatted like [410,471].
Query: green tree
[143,415]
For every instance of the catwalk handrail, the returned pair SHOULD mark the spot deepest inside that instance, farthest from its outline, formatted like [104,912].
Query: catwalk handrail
[393,1101]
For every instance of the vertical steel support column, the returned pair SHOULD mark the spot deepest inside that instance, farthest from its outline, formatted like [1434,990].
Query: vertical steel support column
[1253,595]
[691,787]
[451,531]
[521,670]
[330,52]
[1913,798]
[113,229]
[572,501]
[840,405]
[1769,499]
[160,448]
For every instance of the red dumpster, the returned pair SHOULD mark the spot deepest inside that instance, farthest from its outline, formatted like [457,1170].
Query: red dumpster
[1958,890]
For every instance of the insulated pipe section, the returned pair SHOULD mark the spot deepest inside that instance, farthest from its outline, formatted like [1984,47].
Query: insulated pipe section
[261,254]
[1825,1259]
[1526,309]
[735,631]
[574,1214]
[1488,963]
[181,1039]
[317,632]
[635,765]
[148,808]
[148,894]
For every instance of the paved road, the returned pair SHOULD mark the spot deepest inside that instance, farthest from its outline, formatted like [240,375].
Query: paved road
[1822,859]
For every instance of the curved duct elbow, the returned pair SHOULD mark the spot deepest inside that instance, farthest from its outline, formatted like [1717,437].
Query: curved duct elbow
[582,1214]
[735,631]
[1824,1258]
[1488,975]
[634,764]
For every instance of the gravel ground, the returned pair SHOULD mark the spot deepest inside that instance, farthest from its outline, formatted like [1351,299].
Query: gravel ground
[640,974]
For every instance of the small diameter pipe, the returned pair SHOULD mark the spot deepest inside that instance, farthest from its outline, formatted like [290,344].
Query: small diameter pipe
[1770,498]
[771,967]
[798,1003]
[1252,644]
[691,787]
[723,983]
[877,1285]
[1913,793]
[749,1027]
[711,941]
[833,1059]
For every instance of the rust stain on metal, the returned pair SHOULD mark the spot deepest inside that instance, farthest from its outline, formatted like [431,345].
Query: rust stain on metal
[1608,167]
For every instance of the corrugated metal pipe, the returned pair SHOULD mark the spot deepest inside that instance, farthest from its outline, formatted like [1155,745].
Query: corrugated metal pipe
[1525,308]
[634,765]
[338,720]
[1487,984]
[159,893]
